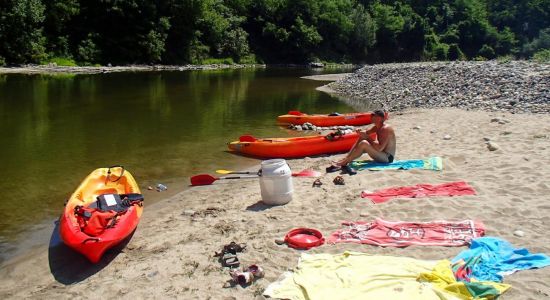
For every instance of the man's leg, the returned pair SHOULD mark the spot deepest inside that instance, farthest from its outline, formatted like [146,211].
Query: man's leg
[360,148]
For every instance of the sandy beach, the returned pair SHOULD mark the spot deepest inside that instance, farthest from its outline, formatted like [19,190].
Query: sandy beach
[171,253]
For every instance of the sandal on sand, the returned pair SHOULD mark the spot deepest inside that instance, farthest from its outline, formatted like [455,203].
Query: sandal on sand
[317,183]
[339,180]
[230,260]
[333,168]
[349,170]
[242,278]
[256,270]
[232,248]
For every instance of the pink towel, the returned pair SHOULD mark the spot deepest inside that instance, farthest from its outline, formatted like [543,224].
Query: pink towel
[459,188]
[402,234]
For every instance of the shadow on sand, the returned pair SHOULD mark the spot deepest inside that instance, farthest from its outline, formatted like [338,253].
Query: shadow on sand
[69,267]
[259,206]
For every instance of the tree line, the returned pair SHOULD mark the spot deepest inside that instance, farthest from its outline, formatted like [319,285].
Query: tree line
[269,31]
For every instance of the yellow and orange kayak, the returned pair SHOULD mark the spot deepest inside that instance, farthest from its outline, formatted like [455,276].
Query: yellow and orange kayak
[293,147]
[113,181]
[353,119]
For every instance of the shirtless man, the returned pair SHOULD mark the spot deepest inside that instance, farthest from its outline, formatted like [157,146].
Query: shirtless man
[382,150]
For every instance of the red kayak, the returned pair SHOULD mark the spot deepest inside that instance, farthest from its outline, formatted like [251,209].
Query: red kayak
[294,147]
[103,211]
[353,119]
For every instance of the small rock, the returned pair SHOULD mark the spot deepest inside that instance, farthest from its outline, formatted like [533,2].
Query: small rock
[153,274]
[348,209]
[150,188]
[495,120]
[486,139]
[519,233]
[364,215]
[501,122]
[506,133]
[279,241]
[447,137]
[188,212]
[416,127]
[492,146]
[432,131]
[540,136]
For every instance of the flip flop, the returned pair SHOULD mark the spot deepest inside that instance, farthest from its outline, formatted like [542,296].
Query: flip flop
[349,170]
[333,168]
[230,260]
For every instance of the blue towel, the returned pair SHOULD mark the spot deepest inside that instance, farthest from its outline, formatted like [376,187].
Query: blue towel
[490,258]
[432,163]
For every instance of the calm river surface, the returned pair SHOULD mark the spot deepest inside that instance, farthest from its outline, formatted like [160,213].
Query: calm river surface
[162,126]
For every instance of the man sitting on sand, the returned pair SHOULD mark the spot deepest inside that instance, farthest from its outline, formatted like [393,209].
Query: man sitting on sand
[382,150]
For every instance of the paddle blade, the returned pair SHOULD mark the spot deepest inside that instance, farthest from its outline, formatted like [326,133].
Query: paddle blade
[247,138]
[203,179]
[224,171]
[307,173]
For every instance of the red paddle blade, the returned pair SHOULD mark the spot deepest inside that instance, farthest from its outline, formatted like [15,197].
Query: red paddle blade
[203,179]
[295,113]
[247,138]
[307,173]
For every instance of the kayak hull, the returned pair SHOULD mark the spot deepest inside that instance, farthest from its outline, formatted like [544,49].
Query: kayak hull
[93,247]
[294,147]
[353,119]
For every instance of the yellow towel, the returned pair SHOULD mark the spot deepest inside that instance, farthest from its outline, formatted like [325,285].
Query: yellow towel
[354,275]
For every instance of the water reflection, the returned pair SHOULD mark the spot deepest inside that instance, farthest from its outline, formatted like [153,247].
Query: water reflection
[162,126]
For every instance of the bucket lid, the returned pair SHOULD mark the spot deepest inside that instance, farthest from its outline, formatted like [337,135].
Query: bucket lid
[304,238]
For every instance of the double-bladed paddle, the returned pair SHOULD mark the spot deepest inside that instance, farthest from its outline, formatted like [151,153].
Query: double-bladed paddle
[205,179]
[304,173]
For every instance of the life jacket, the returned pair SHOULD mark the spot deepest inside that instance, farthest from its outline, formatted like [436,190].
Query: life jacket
[93,221]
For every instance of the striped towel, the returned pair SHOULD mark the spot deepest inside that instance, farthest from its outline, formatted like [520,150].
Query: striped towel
[433,163]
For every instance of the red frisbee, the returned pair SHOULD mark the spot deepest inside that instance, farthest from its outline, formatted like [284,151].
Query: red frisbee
[304,238]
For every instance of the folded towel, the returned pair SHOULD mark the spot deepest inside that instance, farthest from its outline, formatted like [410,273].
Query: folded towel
[433,163]
[459,188]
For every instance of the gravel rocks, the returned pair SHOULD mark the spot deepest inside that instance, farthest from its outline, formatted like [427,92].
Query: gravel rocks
[516,86]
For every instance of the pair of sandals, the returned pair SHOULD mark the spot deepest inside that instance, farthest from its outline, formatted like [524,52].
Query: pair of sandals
[345,169]
[247,276]
[228,255]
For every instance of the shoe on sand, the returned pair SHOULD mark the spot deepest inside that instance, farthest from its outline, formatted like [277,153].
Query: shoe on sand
[333,168]
[349,170]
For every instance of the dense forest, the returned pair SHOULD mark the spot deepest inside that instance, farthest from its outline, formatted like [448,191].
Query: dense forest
[269,31]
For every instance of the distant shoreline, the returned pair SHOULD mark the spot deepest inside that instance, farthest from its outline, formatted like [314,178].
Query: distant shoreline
[54,69]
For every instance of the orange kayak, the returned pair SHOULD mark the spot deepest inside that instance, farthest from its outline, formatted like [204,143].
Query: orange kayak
[299,118]
[293,147]
[109,184]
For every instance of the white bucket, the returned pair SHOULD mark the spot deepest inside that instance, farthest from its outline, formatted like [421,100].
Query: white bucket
[276,182]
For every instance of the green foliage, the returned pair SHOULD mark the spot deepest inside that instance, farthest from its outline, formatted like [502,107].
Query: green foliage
[191,31]
[505,59]
[60,61]
[2,61]
[455,53]
[542,56]
[487,52]
[218,61]
[21,38]
[88,51]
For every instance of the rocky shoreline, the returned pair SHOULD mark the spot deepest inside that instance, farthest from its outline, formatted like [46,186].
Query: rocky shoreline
[54,69]
[514,86]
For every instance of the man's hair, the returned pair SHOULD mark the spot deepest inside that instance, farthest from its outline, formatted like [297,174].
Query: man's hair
[379,113]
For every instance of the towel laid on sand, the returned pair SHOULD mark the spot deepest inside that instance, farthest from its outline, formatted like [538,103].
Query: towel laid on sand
[354,275]
[458,188]
[433,163]
[402,234]
[491,258]
[443,279]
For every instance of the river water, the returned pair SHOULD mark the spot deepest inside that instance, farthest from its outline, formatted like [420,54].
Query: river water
[162,126]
